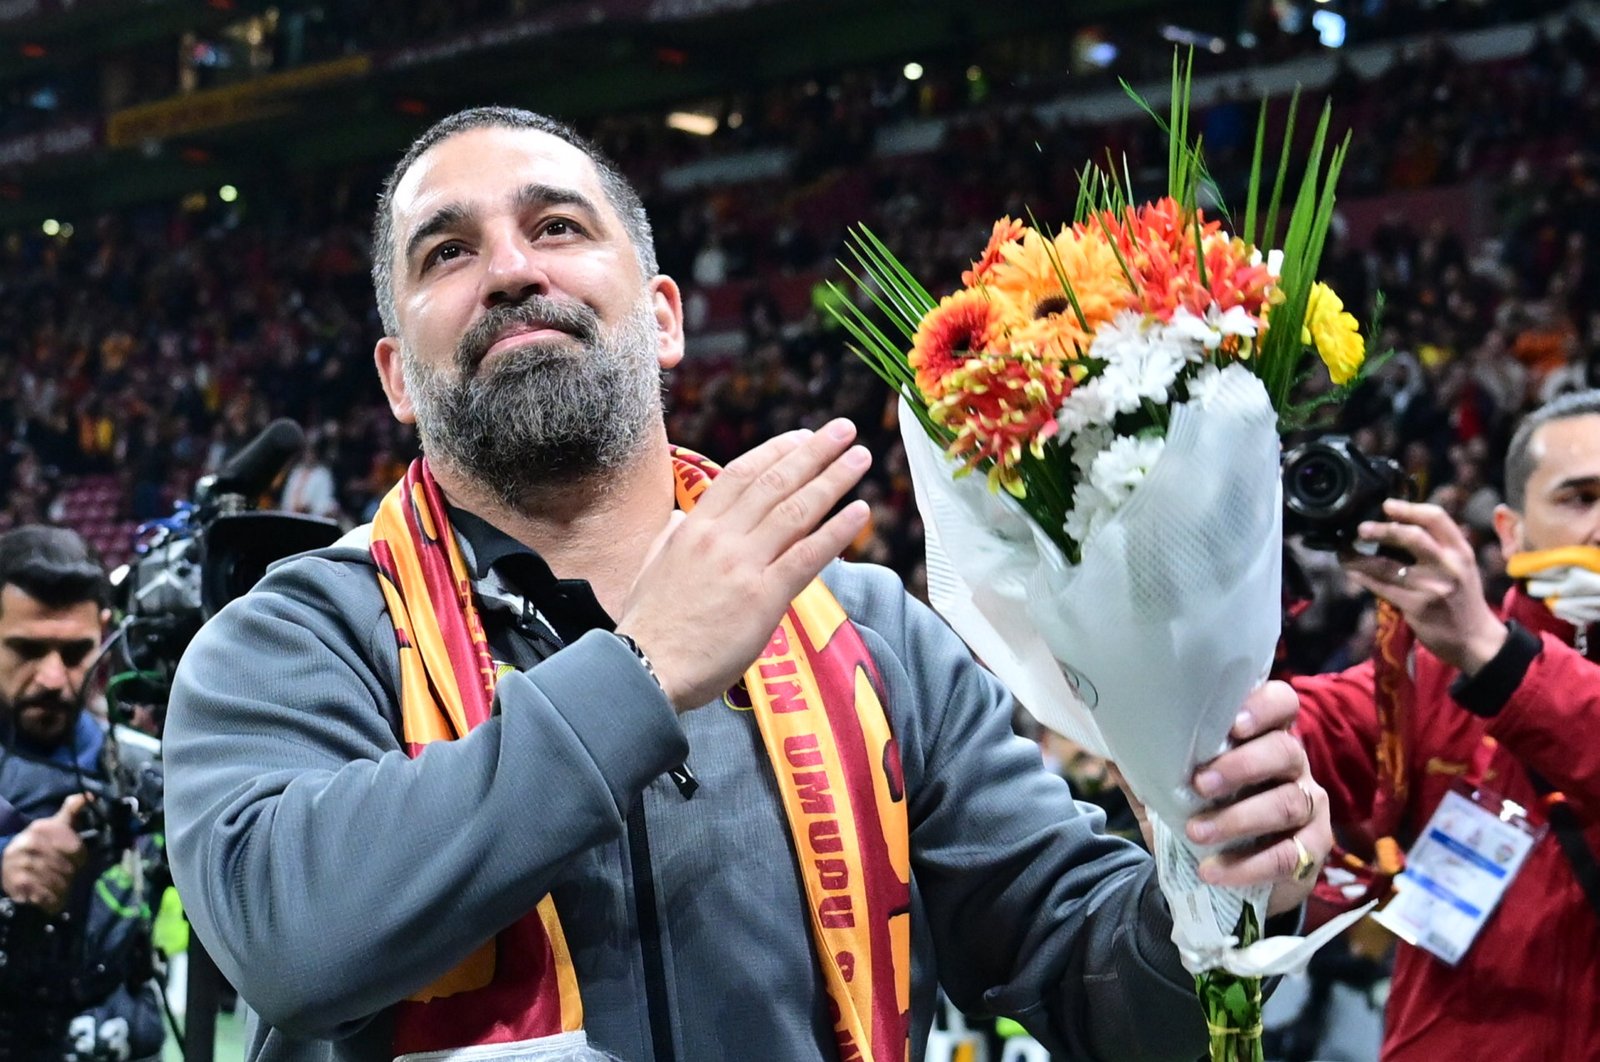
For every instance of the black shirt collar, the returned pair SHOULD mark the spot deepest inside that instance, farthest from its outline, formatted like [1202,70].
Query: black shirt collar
[569,605]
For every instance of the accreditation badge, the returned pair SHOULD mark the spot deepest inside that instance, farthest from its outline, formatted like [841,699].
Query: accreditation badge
[1458,870]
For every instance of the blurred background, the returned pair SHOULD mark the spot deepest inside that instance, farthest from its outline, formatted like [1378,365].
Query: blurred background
[186,193]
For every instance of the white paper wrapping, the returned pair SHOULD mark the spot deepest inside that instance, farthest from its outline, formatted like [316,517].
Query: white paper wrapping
[1144,652]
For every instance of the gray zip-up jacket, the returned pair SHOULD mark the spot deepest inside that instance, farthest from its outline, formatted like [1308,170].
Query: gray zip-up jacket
[331,875]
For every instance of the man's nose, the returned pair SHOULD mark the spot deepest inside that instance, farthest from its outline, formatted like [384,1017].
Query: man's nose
[514,270]
[52,672]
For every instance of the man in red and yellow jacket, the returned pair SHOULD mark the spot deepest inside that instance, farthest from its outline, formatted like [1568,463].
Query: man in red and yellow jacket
[1507,700]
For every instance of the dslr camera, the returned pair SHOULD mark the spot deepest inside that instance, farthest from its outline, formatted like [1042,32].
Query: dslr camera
[1330,488]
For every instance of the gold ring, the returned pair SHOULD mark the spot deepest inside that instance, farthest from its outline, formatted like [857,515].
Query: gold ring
[1304,864]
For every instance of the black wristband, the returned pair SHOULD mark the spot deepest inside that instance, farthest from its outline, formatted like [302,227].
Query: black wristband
[1488,691]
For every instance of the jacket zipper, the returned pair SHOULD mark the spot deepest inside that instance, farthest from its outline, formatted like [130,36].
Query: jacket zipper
[655,969]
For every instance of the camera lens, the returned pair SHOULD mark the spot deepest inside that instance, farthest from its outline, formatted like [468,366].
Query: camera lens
[1319,480]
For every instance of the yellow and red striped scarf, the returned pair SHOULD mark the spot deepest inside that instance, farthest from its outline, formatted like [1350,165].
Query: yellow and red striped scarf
[814,691]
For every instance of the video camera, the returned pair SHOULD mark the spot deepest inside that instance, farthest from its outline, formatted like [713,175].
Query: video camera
[1330,487]
[211,551]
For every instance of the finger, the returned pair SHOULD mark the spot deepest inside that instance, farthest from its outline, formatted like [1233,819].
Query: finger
[737,475]
[1438,523]
[70,808]
[779,482]
[1275,756]
[1272,862]
[1404,595]
[799,513]
[804,560]
[1282,809]
[1408,538]
[1271,706]
[46,885]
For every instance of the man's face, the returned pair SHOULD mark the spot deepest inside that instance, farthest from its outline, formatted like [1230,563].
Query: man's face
[1562,507]
[530,345]
[44,653]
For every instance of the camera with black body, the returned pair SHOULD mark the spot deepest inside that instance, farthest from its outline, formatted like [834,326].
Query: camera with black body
[1330,487]
[213,550]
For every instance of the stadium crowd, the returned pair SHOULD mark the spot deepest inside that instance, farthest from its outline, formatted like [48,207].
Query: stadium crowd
[150,345]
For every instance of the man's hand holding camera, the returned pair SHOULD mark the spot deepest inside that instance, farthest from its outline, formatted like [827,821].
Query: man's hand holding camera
[40,863]
[1439,590]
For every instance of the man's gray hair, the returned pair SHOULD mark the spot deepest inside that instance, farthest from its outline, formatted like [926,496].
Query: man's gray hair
[619,192]
[1519,455]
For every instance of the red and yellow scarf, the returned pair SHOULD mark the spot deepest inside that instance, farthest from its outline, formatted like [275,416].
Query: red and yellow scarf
[827,737]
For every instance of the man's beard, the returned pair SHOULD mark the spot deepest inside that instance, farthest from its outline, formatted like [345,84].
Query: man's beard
[45,720]
[544,412]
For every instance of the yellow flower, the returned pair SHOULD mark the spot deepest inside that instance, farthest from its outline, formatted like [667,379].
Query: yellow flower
[1335,334]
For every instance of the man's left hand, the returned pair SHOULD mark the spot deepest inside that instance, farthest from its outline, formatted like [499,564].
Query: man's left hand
[1269,812]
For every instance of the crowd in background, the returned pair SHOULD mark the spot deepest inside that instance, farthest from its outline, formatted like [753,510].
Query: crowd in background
[151,345]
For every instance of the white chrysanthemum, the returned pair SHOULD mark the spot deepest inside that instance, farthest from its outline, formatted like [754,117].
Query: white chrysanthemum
[1090,509]
[1087,444]
[1204,385]
[1142,361]
[1086,407]
[1210,330]
[1123,465]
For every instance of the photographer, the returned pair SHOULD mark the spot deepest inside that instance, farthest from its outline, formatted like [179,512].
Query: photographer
[1495,720]
[75,983]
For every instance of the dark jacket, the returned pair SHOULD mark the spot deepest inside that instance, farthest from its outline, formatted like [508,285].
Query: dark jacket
[92,970]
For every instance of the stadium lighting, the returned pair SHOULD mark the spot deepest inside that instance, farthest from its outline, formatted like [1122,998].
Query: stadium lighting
[227,193]
[913,71]
[51,226]
[974,73]
[1330,27]
[689,122]
[66,230]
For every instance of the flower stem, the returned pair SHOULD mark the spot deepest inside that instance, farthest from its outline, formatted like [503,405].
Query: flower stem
[1233,1004]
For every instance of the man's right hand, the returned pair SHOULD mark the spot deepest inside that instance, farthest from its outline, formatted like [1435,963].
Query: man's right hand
[39,864]
[1439,591]
[719,579]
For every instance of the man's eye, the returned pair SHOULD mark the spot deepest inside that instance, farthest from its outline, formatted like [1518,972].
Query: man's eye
[72,656]
[559,227]
[441,254]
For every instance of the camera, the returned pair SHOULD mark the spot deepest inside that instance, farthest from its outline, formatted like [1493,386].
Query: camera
[211,551]
[1330,487]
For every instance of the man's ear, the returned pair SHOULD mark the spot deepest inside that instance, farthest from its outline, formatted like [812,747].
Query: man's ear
[1508,528]
[667,303]
[386,356]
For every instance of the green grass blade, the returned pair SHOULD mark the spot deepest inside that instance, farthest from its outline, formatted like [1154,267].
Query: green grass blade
[1061,274]
[1252,197]
[1269,234]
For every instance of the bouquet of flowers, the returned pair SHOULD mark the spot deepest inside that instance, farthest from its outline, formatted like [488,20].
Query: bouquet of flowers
[1120,384]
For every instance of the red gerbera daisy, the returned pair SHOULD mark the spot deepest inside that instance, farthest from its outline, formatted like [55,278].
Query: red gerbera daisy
[952,332]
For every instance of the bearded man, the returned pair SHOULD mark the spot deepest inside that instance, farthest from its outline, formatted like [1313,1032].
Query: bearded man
[585,739]
[81,988]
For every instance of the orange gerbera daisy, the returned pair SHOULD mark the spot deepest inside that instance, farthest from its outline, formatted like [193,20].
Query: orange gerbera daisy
[1002,403]
[1034,308]
[959,327]
[1006,230]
